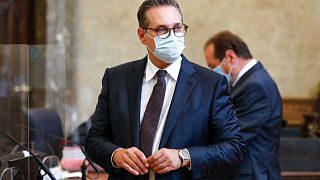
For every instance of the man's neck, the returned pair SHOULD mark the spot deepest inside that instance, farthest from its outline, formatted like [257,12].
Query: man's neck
[246,65]
[241,64]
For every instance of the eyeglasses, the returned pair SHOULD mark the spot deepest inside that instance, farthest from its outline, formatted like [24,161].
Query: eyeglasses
[163,32]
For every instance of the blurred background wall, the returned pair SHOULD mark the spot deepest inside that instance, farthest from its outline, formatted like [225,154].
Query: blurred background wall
[282,34]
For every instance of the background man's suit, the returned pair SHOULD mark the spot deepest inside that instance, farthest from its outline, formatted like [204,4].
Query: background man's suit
[259,110]
[200,119]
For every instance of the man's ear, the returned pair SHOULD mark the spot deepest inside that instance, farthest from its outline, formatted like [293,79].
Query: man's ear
[230,54]
[141,35]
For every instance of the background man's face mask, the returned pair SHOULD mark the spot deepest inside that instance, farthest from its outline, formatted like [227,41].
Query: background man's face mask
[218,69]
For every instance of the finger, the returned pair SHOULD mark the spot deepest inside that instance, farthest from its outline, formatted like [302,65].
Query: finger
[155,156]
[129,169]
[160,166]
[133,165]
[142,157]
[157,162]
[138,163]
[164,170]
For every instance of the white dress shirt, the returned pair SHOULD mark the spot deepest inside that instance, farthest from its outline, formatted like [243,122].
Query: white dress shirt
[246,68]
[149,80]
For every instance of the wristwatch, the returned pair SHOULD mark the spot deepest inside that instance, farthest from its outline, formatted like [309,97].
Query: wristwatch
[184,156]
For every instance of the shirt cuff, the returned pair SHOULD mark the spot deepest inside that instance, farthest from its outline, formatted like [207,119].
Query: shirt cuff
[113,164]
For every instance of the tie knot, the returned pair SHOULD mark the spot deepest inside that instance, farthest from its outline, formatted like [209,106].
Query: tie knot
[161,73]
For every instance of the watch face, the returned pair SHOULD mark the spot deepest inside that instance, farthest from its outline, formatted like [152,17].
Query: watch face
[184,154]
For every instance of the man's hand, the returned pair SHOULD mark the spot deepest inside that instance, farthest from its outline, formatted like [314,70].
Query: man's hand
[164,160]
[132,160]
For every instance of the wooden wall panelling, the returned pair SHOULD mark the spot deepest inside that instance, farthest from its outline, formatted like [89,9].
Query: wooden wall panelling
[294,110]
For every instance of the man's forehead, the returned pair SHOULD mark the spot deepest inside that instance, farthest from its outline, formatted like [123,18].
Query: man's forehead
[163,16]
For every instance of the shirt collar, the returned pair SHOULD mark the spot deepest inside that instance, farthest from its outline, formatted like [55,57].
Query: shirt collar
[173,69]
[246,68]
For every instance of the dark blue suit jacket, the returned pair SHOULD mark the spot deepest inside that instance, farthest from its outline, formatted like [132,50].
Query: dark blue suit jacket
[259,109]
[200,119]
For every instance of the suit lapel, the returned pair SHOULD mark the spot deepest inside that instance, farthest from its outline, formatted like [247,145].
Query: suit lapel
[184,87]
[134,82]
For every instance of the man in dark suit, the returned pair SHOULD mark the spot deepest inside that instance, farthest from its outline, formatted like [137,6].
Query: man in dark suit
[163,117]
[258,106]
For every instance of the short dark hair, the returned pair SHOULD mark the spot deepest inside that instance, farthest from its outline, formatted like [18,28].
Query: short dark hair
[147,4]
[226,40]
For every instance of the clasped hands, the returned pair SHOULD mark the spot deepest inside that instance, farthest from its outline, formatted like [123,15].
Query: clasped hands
[135,162]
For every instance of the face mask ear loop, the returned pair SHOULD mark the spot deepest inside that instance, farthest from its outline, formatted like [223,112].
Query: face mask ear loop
[231,67]
[230,71]
[154,43]
[150,49]
[221,64]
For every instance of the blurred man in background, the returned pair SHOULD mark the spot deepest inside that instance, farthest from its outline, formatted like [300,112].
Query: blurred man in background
[257,103]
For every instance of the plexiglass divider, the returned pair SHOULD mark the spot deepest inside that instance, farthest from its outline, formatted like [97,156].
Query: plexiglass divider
[32,100]
[14,93]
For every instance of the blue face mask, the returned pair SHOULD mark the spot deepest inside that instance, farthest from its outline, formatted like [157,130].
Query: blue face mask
[168,49]
[219,70]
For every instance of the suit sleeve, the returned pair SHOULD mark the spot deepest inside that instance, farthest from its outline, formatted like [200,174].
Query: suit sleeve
[254,110]
[98,142]
[226,144]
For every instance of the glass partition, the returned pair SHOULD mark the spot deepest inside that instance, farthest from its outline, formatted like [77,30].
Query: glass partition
[32,101]
[47,99]
[14,93]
